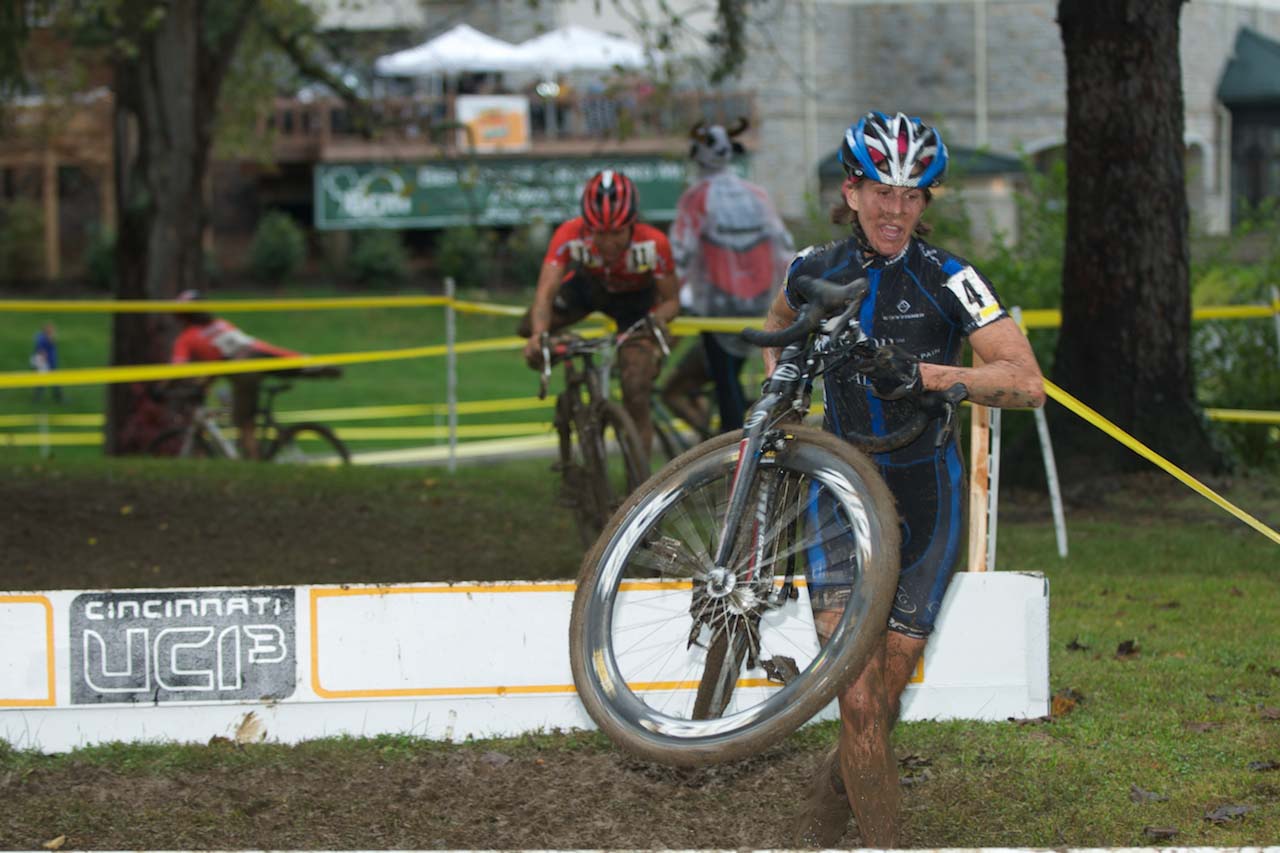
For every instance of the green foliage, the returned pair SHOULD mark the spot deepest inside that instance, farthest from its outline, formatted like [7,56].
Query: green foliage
[21,241]
[1028,272]
[278,248]
[522,255]
[100,259]
[378,259]
[1237,362]
[467,254]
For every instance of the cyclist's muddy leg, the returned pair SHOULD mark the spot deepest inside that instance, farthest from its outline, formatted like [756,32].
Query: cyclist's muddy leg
[638,361]
[868,710]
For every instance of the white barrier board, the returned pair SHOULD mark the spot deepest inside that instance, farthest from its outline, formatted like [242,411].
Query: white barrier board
[444,661]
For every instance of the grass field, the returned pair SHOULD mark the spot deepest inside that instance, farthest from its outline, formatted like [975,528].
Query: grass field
[1163,655]
[84,341]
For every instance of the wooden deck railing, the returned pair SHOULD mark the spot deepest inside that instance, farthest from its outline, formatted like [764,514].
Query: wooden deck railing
[318,129]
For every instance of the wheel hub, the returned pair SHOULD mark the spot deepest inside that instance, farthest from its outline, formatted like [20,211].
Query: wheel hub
[720,582]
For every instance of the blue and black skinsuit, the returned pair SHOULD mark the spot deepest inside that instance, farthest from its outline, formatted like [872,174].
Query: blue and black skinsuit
[924,300]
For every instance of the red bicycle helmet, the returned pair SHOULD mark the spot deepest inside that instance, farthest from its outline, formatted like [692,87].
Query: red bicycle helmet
[609,201]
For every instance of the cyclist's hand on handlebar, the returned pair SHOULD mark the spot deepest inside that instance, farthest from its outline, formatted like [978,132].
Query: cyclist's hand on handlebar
[533,352]
[892,372]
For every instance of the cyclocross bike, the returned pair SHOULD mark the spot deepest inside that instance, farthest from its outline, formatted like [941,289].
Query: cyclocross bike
[202,436]
[691,635]
[588,424]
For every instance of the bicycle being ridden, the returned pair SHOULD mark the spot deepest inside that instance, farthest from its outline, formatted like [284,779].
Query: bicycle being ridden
[204,434]
[601,456]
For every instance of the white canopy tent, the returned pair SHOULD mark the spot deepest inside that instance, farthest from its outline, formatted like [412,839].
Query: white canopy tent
[460,49]
[575,48]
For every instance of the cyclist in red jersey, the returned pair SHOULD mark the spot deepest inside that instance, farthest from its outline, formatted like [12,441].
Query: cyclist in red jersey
[208,338]
[607,261]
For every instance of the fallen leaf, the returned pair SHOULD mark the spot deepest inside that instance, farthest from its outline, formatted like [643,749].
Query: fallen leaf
[1065,701]
[1226,814]
[250,729]
[1264,766]
[1076,646]
[127,509]
[914,762]
[1201,726]
[55,843]
[93,540]
[1269,713]
[1137,795]
[1127,649]
[1236,593]
[1160,833]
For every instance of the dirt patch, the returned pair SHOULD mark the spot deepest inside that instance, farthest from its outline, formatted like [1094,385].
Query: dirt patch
[464,798]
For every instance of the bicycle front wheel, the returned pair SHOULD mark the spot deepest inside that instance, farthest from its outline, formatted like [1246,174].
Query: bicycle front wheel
[307,444]
[616,464]
[655,620]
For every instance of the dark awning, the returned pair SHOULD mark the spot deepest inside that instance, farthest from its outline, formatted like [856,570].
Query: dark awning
[1252,77]
[962,162]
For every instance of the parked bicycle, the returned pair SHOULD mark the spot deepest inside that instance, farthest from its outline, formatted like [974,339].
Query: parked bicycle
[202,435]
[593,482]
[691,635]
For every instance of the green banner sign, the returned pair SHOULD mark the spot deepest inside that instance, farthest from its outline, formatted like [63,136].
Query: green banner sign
[488,192]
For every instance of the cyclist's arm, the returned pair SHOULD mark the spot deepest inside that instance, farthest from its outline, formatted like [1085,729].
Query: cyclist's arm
[540,313]
[780,315]
[666,298]
[1009,376]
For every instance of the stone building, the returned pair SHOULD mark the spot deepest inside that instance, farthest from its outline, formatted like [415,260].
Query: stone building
[991,73]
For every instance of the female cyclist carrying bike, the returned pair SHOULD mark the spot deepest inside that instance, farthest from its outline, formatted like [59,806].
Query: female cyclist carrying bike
[607,261]
[922,302]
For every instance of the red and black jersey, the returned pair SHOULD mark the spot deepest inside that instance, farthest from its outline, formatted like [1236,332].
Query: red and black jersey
[648,256]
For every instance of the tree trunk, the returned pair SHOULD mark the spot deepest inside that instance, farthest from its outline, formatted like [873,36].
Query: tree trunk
[166,95]
[1124,347]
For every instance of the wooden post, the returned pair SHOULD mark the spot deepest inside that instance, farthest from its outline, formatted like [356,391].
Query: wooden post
[49,192]
[979,481]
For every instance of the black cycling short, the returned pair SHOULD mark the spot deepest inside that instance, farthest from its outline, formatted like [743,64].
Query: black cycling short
[931,502]
[581,293]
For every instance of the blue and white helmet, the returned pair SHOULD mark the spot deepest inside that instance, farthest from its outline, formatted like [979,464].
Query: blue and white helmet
[901,151]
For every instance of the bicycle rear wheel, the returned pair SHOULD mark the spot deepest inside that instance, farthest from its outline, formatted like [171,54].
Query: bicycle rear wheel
[307,444]
[653,614]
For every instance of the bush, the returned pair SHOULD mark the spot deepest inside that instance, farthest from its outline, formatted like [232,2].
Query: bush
[100,259]
[469,255]
[21,241]
[522,257]
[1237,362]
[278,248]
[378,259]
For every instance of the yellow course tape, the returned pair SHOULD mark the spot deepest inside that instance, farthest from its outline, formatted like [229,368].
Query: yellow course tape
[1147,453]
[152,306]
[1244,416]
[151,372]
